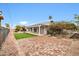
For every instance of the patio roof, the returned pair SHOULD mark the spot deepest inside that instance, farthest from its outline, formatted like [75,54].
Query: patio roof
[40,24]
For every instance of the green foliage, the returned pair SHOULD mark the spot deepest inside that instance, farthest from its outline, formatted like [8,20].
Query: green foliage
[67,25]
[18,28]
[50,17]
[54,29]
[23,28]
[7,25]
[76,17]
[57,28]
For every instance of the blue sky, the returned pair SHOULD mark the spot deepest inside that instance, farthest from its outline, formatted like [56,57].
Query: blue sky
[35,13]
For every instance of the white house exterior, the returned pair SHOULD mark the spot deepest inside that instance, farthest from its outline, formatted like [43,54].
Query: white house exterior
[38,29]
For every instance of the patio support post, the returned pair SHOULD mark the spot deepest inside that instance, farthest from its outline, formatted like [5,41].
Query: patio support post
[44,30]
[32,29]
[39,29]
[27,30]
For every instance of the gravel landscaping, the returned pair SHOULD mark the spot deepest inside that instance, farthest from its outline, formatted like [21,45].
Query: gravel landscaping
[48,46]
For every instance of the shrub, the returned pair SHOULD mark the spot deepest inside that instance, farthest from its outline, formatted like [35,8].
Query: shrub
[18,28]
[23,29]
[53,30]
[57,28]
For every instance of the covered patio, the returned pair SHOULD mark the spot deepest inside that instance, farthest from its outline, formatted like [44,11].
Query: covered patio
[38,29]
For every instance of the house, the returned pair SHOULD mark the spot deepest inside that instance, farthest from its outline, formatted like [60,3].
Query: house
[38,29]
[42,28]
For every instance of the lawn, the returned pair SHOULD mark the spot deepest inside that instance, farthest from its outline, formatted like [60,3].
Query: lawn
[23,35]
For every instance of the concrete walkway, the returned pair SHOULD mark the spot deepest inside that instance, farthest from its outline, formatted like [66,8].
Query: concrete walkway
[10,46]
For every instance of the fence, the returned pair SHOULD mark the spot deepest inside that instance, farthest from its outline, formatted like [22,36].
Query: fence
[3,34]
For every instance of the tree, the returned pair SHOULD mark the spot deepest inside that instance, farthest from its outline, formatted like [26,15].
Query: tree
[7,25]
[57,28]
[50,31]
[18,28]
[67,25]
[23,29]
[54,29]
[50,17]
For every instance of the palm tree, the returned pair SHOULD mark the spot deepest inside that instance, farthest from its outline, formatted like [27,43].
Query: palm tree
[1,17]
[7,25]
[50,25]
[50,17]
[50,21]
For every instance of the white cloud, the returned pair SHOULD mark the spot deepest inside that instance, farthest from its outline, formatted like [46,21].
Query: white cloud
[23,23]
